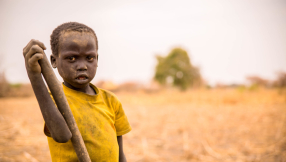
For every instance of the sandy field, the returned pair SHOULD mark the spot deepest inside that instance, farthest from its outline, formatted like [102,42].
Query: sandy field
[169,126]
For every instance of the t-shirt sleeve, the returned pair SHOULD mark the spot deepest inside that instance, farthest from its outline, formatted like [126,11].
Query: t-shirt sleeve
[121,122]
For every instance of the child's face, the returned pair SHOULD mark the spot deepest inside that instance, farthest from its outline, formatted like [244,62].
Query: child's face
[77,58]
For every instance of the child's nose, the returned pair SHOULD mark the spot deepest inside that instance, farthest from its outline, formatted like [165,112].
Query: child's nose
[81,67]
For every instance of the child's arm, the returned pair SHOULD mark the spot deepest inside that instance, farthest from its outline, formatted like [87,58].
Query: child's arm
[122,157]
[53,118]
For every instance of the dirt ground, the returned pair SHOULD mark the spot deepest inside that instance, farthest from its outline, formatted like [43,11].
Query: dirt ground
[169,126]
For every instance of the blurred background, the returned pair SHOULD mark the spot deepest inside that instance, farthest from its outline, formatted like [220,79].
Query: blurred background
[199,80]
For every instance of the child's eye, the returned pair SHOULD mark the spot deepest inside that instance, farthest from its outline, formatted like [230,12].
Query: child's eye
[71,58]
[89,58]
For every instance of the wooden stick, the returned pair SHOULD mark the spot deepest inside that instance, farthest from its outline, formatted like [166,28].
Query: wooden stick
[57,91]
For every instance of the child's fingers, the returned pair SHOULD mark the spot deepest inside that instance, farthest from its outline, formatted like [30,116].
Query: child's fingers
[35,58]
[34,49]
[32,43]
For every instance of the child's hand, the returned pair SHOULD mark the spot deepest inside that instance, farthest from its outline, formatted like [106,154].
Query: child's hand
[33,52]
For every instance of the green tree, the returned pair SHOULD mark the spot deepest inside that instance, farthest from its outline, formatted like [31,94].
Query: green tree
[177,70]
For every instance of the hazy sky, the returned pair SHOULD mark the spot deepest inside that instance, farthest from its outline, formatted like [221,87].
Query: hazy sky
[227,39]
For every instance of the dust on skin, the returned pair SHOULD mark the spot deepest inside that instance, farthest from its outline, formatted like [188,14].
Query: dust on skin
[75,34]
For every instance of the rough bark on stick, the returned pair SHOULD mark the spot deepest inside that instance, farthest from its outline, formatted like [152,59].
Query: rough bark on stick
[63,106]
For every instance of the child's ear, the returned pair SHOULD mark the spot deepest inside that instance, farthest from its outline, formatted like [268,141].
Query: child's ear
[97,59]
[53,61]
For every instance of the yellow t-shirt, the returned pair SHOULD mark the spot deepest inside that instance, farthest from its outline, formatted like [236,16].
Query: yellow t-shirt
[100,119]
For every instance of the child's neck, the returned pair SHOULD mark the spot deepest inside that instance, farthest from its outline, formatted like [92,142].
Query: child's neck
[87,89]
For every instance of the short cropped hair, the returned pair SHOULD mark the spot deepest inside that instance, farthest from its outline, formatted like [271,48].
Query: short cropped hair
[66,27]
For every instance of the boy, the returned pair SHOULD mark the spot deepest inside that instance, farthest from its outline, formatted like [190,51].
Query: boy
[97,112]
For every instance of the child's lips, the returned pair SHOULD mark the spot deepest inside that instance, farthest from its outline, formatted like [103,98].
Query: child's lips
[82,77]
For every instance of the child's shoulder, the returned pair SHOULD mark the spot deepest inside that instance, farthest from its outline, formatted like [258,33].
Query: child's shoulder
[107,94]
